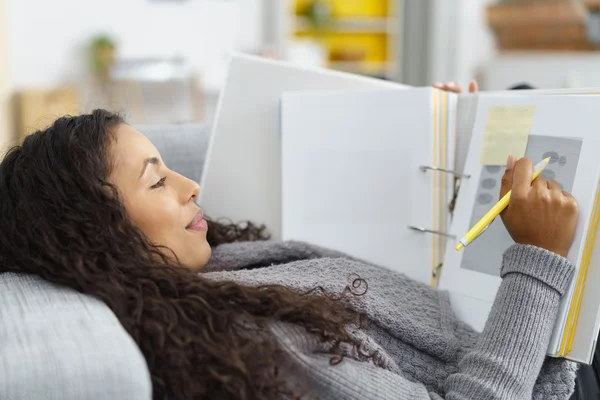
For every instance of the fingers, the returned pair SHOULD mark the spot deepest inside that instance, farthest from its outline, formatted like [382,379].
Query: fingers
[456,88]
[540,183]
[507,179]
[571,204]
[448,86]
[473,87]
[552,190]
[510,162]
[555,187]
[522,177]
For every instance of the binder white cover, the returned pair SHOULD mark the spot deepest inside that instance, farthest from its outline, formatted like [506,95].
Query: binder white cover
[241,179]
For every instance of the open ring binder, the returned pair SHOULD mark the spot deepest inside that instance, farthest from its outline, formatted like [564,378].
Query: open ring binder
[424,230]
[436,271]
[424,168]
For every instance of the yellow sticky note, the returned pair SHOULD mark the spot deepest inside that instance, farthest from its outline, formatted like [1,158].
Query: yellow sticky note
[506,132]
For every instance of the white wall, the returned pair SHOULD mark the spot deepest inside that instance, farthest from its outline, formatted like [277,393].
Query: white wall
[5,86]
[462,44]
[444,15]
[475,42]
[48,38]
[545,70]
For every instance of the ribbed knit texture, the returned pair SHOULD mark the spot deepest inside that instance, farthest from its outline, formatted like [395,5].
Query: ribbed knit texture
[426,352]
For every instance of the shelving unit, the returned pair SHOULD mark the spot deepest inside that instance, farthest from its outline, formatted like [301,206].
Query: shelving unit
[351,24]
[360,36]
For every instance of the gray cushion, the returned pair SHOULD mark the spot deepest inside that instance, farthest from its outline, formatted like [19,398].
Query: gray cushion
[183,147]
[57,344]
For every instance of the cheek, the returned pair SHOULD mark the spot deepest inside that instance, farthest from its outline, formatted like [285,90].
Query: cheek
[157,217]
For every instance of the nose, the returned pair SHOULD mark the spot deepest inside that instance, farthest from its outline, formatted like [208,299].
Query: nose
[195,191]
[186,189]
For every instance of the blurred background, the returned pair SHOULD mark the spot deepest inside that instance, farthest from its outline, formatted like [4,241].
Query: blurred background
[164,61]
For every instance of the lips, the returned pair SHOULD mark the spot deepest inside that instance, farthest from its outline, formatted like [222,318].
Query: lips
[198,223]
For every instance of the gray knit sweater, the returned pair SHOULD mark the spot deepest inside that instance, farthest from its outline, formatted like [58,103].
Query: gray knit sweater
[427,353]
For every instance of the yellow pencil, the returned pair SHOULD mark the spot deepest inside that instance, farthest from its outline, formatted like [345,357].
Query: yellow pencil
[487,219]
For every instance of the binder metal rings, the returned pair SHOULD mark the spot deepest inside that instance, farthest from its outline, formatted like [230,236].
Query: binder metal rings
[424,168]
[425,230]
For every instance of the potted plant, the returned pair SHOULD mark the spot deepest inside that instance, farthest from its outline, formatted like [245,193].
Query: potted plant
[319,13]
[103,54]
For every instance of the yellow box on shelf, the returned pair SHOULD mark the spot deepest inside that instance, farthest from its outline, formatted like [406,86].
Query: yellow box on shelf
[364,68]
[363,47]
[347,24]
[350,8]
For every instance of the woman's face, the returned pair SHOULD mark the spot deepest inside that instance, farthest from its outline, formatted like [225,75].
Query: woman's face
[159,201]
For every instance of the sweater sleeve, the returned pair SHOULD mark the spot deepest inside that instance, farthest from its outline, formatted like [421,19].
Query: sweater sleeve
[512,347]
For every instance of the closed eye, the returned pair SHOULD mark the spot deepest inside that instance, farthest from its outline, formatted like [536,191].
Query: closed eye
[159,184]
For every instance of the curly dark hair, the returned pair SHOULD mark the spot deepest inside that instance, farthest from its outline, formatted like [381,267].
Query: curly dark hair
[226,231]
[61,219]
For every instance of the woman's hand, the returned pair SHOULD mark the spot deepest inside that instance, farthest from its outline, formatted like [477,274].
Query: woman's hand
[455,88]
[540,213]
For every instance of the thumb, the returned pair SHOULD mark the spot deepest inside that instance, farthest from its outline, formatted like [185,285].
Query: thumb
[507,178]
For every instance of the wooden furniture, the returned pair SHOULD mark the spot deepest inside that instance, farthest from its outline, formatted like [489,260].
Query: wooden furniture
[542,25]
[37,109]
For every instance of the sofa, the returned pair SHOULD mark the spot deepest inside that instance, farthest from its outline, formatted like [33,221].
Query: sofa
[58,344]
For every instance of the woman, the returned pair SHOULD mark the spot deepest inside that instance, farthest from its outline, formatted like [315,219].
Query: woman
[88,203]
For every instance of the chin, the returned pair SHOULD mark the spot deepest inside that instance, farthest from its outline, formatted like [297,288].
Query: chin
[202,256]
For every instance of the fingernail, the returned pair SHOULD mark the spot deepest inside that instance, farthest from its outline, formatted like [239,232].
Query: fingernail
[509,161]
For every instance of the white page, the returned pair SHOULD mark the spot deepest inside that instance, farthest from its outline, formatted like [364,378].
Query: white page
[559,121]
[352,179]
[241,179]
[466,112]
[588,323]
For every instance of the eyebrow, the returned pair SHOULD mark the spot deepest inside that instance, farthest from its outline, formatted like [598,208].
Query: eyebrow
[148,161]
